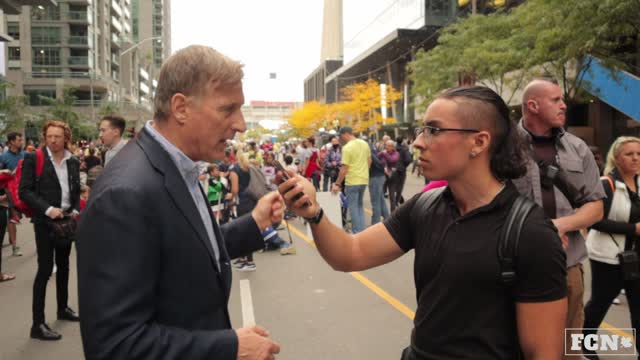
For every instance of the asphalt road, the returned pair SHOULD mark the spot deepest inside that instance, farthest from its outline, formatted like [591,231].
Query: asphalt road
[313,311]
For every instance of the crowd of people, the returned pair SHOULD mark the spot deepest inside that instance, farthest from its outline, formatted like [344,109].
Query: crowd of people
[145,295]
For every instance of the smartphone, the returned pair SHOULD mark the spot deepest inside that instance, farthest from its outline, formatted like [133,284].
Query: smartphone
[285,176]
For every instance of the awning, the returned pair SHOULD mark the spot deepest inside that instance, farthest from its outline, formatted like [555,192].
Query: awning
[617,88]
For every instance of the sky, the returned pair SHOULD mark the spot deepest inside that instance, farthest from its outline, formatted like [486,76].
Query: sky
[274,36]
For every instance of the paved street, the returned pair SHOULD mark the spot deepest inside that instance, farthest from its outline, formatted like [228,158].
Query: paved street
[313,311]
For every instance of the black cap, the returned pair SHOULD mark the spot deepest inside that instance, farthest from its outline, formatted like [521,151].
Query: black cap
[345,130]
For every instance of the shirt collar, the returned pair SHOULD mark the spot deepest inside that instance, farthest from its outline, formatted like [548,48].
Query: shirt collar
[67,154]
[187,167]
[501,199]
[556,133]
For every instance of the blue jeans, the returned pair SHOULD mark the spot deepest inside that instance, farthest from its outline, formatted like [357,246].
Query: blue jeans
[378,204]
[355,195]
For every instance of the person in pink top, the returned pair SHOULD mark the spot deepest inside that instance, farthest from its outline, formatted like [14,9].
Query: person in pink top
[434,185]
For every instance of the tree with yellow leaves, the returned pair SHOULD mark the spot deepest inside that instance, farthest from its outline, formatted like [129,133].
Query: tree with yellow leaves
[360,110]
[363,102]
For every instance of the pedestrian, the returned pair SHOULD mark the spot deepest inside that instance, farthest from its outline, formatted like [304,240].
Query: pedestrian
[356,159]
[239,178]
[9,160]
[563,178]
[332,163]
[377,179]
[111,130]
[4,219]
[616,233]
[390,158]
[54,197]
[464,310]
[153,266]
[312,167]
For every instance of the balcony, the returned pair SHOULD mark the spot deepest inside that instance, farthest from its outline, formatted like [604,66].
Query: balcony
[40,40]
[115,23]
[83,2]
[117,9]
[144,88]
[144,74]
[116,41]
[78,40]
[115,60]
[127,14]
[78,16]
[78,60]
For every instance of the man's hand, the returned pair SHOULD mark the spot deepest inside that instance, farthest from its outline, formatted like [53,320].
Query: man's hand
[253,344]
[291,190]
[335,188]
[56,213]
[269,210]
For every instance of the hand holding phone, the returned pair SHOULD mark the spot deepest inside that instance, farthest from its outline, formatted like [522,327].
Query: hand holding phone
[285,177]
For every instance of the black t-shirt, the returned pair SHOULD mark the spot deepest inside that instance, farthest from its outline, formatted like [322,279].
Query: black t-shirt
[464,310]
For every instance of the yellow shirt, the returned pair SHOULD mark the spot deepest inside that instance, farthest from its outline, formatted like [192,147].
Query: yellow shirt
[356,154]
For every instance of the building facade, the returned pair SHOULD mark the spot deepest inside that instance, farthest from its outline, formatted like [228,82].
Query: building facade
[90,46]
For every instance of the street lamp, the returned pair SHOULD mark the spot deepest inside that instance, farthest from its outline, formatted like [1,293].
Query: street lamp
[133,47]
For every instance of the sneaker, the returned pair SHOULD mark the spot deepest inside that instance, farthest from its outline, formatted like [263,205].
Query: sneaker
[617,301]
[55,269]
[15,219]
[288,250]
[238,263]
[16,251]
[248,266]
[622,292]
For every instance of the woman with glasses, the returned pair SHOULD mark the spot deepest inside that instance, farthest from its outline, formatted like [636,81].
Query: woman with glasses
[617,232]
[464,310]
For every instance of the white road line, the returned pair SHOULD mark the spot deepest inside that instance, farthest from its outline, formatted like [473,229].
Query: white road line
[248,318]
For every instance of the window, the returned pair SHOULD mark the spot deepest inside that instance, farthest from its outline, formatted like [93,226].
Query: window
[45,35]
[14,53]
[46,13]
[13,30]
[46,56]
[38,97]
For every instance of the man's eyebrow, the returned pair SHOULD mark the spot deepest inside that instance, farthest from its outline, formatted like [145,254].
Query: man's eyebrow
[433,122]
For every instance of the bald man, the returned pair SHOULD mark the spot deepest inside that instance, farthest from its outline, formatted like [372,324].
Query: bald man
[562,177]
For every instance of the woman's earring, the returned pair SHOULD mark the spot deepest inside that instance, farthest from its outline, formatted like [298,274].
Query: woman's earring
[473,154]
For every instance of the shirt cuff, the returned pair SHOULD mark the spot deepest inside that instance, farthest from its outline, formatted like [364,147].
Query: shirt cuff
[48,210]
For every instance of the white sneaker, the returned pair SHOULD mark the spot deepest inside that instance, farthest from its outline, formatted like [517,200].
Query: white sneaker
[617,301]
[248,266]
[55,269]
[622,292]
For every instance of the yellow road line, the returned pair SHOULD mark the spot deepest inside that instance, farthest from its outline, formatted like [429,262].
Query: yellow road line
[404,309]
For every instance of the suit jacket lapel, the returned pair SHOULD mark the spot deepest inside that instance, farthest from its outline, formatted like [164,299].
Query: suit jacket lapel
[176,187]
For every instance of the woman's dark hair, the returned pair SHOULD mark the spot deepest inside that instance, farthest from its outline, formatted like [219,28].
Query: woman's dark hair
[507,148]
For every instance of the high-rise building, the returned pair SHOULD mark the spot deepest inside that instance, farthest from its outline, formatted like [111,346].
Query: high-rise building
[90,46]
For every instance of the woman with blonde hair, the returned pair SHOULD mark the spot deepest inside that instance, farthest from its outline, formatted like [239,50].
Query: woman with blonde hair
[616,233]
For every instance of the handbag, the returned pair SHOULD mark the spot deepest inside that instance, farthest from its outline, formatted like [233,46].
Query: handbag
[629,262]
[258,186]
[63,231]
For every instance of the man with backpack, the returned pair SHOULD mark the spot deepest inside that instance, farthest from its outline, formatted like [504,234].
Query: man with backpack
[9,161]
[562,177]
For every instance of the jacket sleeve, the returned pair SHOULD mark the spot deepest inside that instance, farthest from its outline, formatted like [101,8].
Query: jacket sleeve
[27,189]
[118,267]
[242,236]
[611,226]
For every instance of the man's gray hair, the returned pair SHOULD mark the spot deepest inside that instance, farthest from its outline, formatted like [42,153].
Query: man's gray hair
[193,71]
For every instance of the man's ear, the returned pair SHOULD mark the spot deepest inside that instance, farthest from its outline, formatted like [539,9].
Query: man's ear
[180,107]
[532,105]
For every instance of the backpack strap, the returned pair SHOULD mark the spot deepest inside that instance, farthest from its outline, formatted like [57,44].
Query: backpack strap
[428,198]
[608,178]
[39,162]
[510,237]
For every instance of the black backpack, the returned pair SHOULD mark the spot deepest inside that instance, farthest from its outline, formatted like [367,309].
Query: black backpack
[509,237]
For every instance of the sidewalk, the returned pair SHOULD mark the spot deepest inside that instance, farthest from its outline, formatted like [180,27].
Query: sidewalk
[15,312]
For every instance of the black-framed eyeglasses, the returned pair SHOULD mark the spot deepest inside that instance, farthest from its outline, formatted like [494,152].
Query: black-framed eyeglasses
[429,131]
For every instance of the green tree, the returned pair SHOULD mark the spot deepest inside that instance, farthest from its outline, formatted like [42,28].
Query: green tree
[62,109]
[12,114]
[539,37]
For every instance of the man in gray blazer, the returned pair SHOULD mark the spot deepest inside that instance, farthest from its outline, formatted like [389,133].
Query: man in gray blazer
[153,266]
